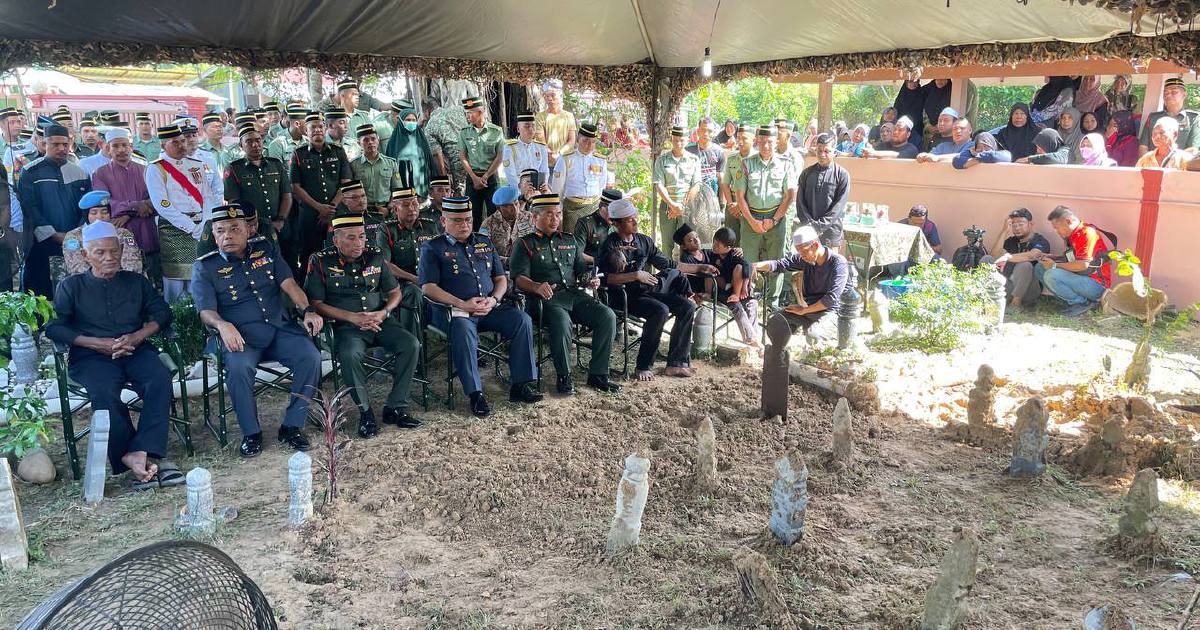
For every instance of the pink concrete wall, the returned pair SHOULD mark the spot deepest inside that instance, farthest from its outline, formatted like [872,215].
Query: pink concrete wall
[985,194]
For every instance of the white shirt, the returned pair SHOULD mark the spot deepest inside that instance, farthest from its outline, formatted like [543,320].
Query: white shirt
[172,202]
[213,176]
[92,163]
[579,175]
[519,156]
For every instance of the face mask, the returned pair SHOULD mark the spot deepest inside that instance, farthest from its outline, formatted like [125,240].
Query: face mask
[1087,152]
[410,125]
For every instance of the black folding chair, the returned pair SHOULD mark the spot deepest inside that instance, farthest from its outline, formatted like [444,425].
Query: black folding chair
[375,364]
[626,323]
[180,417]
[491,347]
[580,335]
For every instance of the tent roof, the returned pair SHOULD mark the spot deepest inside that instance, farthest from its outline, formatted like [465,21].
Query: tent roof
[570,32]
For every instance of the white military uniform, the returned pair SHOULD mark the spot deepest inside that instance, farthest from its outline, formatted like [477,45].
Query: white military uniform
[214,177]
[180,210]
[580,176]
[519,156]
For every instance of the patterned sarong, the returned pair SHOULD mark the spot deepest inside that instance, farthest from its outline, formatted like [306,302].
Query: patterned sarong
[178,252]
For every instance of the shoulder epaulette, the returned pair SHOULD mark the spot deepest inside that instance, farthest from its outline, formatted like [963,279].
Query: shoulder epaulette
[569,152]
[510,141]
[209,254]
[257,238]
[539,142]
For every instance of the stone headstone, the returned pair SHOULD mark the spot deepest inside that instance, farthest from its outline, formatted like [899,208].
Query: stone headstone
[775,379]
[24,356]
[300,479]
[200,517]
[843,439]
[981,400]
[631,501]
[760,586]
[706,456]
[789,498]
[1137,511]
[1030,440]
[14,547]
[1107,618]
[879,307]
[95,469]
[946,601]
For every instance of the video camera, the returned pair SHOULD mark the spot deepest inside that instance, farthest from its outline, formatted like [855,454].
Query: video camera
[974,235]
[968,256]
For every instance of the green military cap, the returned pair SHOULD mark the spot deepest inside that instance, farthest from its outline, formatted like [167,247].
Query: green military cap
[347,84]
[296,112]
[63,109]
[9,112]
[588,130]
[139,155]
[247,128]
[1174,81]
[259,112]
[347,220]
[313,117]
[364,129]
[744,127]
[439,180]
[243,117]
[403,193]
[211,117]
[145,117]
[401,105]
[678,132]
[543,200]
[472,102]
[228,212]
[167,132]
[529,172]
[25,134]
[337,114]
[609,195]
[109,116]
[783,123]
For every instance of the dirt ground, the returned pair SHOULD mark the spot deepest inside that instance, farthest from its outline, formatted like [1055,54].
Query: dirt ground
[501,522]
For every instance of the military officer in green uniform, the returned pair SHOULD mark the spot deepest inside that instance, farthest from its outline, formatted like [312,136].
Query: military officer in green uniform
[482,153]
[439,189]
[401,237]
[549,267]
[318,170]
[337,125]
[765,189]
[350,284]
[262,183]
[378,173]
[1175,94]
[145,141]
[591,230]
[354,201]
[349,98]
[275,123]
[285,144]
[677,181]
[733,167]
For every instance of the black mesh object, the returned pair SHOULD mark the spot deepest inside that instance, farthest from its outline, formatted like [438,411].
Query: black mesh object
[181,585]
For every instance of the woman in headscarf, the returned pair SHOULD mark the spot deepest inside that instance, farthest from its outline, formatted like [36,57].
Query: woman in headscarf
[888,116]
[1017,136]
[855,144]
[1119,97]
[1090,123]
[727,135]
[1050,149]
[910,101]
[1049,101]
[937,98]
[885,136]
[1093,152]
[408,145]
[1088,98]
[1121,141]
[1068,129]
[985,150]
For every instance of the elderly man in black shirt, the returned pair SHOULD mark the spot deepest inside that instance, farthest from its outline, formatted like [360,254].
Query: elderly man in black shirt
[623,258]
[822,192]
[106,315]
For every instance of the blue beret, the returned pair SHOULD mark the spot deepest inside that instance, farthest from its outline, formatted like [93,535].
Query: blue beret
[93,199]
[505,195]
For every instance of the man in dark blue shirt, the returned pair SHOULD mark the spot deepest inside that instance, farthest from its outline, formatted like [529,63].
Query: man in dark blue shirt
[825,276]
[50,188]
[105,316]
[238,291]
[462,272]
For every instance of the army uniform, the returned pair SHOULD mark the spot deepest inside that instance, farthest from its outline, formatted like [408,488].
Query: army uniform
[678,175]
[579,179]
[590,232]
[734,169]
[403,248]
[764,184]
[481,146]
[262,186]
[373,221]
[1189,129]
[150,149]
[283,147]
[557,259]
[379,177]
[467,270]
[320,174]
[245,291]
[362,285]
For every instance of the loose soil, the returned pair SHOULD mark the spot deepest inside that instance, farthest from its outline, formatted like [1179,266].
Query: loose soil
[501,522]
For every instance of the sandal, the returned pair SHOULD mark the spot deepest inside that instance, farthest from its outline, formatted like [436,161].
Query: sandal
[139,486]
[169,475]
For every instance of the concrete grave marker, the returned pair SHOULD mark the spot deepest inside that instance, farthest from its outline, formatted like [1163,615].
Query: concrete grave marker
[300,479]
[1029,440]
[631,501]
[95,470]
[789,498]
[946,601]
[14,547]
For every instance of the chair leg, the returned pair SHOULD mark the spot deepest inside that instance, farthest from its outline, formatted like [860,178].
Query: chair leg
[206,409]
[222,432]
[64,400]
[186,425]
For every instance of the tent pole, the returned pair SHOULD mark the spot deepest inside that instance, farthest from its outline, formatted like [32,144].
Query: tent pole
[824,106]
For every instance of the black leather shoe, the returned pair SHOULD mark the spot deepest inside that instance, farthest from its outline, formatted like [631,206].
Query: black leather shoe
[251,445]
[565,386]
[400,418]
[367,428]
[479,405]
[600,382]
[293,438]
[525,393]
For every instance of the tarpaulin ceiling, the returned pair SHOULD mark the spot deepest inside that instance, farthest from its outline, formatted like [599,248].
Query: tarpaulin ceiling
[570,32]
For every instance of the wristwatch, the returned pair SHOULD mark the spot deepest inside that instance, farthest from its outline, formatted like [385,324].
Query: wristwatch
[309,309]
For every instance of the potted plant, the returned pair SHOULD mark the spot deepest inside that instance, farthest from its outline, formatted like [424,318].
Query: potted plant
[24,432]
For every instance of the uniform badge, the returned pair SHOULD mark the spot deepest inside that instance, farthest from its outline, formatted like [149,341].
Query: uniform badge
[165,203]
[261,262]
[225,270]
[595,169]
[370,271]
[197,176]
[258,254]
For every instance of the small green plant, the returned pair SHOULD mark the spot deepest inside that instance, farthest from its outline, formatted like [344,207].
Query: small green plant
[941,305]
[189,331]
[1137,375]
[26,429]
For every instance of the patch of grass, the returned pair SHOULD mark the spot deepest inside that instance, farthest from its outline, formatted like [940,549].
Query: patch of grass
[1024,533]
[1066,488]
[479,620]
